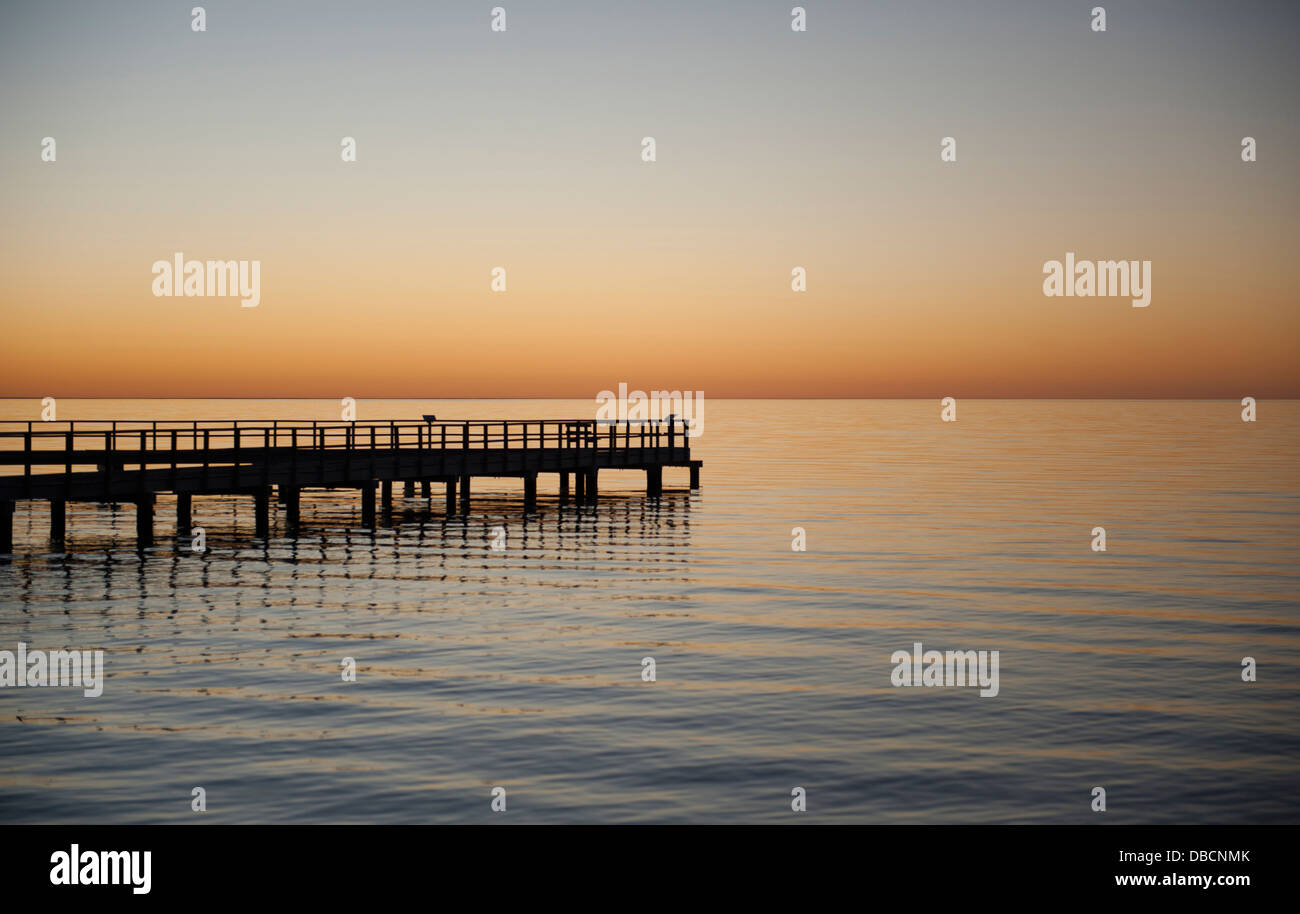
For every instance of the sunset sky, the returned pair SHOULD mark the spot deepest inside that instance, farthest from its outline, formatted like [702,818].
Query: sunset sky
[776,149]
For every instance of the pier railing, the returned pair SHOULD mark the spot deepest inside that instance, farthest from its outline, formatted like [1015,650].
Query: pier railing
[26,442]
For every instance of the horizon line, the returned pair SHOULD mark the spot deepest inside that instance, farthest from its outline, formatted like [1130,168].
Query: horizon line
[596,399]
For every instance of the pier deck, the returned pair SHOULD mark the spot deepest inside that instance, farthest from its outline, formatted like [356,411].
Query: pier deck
[122,461]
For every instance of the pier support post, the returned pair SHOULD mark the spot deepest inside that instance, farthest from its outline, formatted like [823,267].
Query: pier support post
[290,496]
[424,490]
[591,486]
[386,490]
[368,506]
[564,488]
[451,497]
[58,521]
[654,482]
[695,477]
[262,511]
[6,527]
[580,487]
[144,521]
[184,513]
[464,495]
[408,489]
[530,493]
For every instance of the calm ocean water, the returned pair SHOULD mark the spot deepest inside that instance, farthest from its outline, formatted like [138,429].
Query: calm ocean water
[522,668]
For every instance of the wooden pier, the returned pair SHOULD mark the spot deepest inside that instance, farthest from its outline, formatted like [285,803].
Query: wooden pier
[124,461]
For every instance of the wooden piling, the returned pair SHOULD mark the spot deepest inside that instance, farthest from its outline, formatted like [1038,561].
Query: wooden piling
[289,497]
[564,488]
[6,526]
[464,495]
[144,520]
[451,497]
[262,511]
[368,506]
[184,514]
[58,521]
[530,493]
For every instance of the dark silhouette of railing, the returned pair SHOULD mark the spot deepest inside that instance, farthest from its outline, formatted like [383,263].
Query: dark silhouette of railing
[145,435]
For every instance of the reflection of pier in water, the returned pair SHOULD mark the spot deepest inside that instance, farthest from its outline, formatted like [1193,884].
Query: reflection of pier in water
[637,540]
[111,462]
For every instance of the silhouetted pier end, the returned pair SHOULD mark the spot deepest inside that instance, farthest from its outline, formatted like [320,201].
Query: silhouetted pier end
[131,462]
